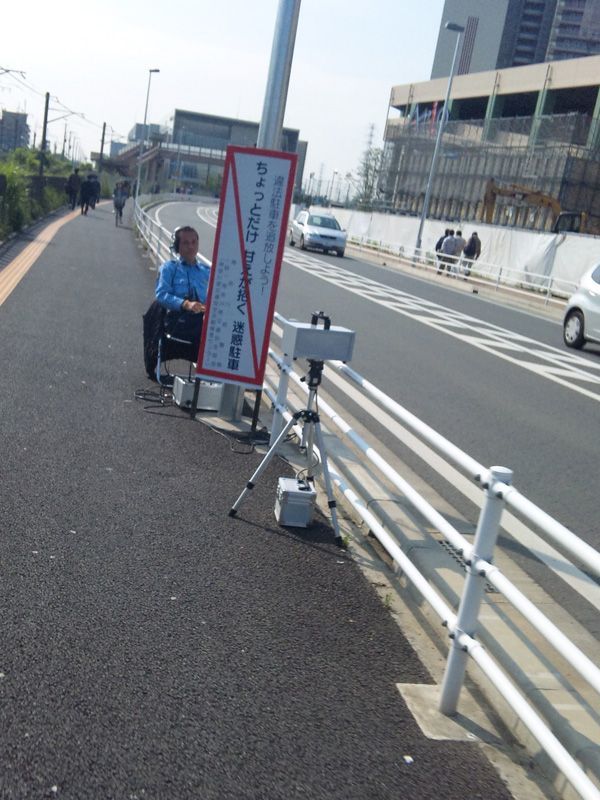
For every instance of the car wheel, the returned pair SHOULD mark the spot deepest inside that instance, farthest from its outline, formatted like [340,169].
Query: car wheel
[292,242]
[573,330]
[340,253]
[302,245]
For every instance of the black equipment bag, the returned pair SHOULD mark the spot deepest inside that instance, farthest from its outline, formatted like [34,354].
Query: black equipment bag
[180,325]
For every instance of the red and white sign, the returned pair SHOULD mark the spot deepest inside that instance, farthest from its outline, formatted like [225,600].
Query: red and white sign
[251,231]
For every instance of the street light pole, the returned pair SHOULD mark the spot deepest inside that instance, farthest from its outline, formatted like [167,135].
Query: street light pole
[141,153]
[450,26]
[177,177]
[330,192]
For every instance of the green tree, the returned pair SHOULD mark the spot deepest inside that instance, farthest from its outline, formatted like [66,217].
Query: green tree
[24,199]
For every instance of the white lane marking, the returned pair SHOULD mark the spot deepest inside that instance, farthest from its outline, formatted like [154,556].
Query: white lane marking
[561,368]
[544,360]
[208,214]
[161,207]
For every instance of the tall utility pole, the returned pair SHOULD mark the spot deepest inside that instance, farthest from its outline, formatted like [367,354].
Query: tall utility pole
[102,143]
[43,142]
[320,181]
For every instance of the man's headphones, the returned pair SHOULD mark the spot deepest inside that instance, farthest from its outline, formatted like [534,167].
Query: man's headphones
[176,235]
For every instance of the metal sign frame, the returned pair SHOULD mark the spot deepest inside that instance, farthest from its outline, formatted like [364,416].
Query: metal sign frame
[251,230]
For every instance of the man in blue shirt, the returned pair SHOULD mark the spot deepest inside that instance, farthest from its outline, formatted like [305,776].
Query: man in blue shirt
[183,281]
[180,303]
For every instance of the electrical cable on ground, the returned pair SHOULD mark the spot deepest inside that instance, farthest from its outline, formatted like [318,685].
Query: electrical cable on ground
[163,398]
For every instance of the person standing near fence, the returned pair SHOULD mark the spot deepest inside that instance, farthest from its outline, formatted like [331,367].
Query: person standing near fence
[459,245]
[472,252]
[447,251]
[438,247]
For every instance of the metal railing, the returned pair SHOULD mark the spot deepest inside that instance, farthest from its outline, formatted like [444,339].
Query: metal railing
[497,493]
[463,624]
[554,291]
[156,237]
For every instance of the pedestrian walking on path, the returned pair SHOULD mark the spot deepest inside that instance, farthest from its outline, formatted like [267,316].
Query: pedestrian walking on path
[73,187]
[120,196]
[86,194]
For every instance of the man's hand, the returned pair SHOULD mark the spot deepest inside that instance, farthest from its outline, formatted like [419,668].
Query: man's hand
[195,306]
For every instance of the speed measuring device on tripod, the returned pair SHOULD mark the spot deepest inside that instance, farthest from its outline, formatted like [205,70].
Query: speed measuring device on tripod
[316,342]
[295,498]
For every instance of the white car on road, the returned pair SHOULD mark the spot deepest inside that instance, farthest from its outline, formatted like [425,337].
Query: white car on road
[581,322]
[321,231]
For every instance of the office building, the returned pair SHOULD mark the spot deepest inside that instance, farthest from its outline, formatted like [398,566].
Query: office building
[576,30]
[205,138]
[512,33]
[189,154]
[151,133]
[537,126]
[14,130]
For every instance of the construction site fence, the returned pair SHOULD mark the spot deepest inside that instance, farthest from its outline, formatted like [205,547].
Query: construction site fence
[523,259]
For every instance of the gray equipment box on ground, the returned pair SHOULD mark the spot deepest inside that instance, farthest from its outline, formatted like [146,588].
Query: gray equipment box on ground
[295,502]
[209,394]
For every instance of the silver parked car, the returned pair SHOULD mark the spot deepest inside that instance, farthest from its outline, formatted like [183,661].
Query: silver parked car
[321,231]
[581,322]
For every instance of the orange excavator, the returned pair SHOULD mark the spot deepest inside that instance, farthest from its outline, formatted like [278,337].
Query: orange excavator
[562,221]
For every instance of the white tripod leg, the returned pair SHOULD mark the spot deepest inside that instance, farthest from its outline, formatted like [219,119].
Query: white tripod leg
[263,464]
[328,485]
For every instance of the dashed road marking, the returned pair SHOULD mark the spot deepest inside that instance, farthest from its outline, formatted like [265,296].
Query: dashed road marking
[568,370]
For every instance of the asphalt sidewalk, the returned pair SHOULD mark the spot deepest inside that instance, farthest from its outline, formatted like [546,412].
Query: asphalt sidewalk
[154,647]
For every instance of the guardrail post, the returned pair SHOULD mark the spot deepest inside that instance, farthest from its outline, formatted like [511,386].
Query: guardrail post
[468,611]
[498,279]
[548,290]
[280,400]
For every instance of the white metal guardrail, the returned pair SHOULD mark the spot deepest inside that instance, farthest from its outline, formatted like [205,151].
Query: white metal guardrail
[463,623]
[157,237]
[497,493]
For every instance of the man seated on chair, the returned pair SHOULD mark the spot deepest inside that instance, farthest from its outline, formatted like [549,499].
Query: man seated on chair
[181,287]
[179,305]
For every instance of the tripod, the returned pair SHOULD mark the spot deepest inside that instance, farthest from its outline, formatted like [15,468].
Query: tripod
[311,430]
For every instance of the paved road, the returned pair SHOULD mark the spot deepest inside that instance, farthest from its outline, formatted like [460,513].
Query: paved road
[152,647]
[494,380]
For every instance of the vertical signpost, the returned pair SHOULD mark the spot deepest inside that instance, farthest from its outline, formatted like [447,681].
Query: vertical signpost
[248,251]
[269,135]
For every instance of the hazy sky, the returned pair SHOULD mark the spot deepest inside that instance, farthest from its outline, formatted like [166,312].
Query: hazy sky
[214,57]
